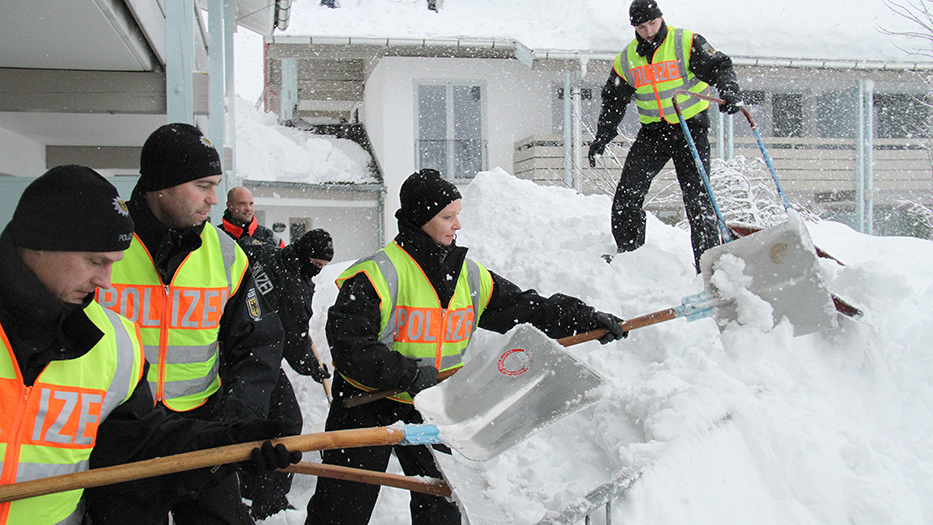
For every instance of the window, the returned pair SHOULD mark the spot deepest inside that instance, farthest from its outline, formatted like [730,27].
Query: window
[899,116]
[787,112]
[450,129]
[837,114]
[590,105]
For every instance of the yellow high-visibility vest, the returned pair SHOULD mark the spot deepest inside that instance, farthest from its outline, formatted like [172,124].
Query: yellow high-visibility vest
[50,428]
[179,321]
[413,321]
[656,82]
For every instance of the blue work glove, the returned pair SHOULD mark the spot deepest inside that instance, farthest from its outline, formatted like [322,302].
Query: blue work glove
[426,378]
[733,103]
[611,323]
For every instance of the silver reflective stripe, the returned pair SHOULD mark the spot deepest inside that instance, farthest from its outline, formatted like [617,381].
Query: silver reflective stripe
[649,96]
[228,250]
[181,355]
[31,471]
[669,93]
[186,355]
[449,361]
[475,282]
[626,69]
[120,387]
[152,354]
[679,53]
[175,389]
[654,113]
[390,274]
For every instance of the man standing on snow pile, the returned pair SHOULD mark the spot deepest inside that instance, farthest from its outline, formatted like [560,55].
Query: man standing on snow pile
[72,373]
[403,315]
[657,62]
[239,219]
[284,277]
[214,345]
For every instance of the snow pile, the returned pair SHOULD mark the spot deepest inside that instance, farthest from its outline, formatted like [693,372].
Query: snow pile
[747,426]
[269,152]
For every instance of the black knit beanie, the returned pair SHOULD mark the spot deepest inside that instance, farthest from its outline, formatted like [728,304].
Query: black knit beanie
[175,154]
[642,11]
[71,209]
[424,194]
[315,244]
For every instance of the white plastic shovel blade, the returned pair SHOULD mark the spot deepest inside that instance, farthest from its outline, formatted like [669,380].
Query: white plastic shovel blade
[470,490]
[508,391]
[784,270]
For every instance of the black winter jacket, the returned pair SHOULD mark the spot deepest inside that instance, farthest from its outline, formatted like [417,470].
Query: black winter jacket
[250,349]
[287,286]
[710,66]
[353,321]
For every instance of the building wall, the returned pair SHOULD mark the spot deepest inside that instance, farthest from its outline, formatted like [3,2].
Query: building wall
[515,106]
[19,156]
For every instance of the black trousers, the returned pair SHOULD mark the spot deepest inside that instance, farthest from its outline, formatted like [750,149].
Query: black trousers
[349,503]
[653,147]
[268,491]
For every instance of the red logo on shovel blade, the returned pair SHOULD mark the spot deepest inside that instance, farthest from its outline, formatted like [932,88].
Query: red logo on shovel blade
[514,362]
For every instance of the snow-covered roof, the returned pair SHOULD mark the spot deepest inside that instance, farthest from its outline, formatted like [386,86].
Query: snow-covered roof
[850,30]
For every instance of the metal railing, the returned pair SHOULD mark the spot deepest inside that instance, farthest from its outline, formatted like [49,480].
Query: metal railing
[600,497]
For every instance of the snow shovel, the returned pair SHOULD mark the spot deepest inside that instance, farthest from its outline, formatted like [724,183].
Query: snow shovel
[735,231]
[507,392]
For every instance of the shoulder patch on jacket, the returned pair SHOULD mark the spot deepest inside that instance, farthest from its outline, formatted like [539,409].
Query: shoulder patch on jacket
[252,303]
[708,49]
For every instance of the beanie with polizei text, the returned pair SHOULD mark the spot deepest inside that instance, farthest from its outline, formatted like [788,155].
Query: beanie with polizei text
[71,209]
[175,154]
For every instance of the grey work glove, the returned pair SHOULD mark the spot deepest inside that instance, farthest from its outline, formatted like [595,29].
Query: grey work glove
[733,103]
[426,378]
[611,323]
[597,147]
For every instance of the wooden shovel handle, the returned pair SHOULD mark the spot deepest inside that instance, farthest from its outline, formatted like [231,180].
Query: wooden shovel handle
[631,324]
[369,397]
[362,437]
[435,487]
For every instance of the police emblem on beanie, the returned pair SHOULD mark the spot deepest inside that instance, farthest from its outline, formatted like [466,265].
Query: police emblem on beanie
[71,209]
[175,154]
[642,11]
[424,194]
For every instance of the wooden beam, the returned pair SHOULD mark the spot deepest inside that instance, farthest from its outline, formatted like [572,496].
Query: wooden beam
[72,91]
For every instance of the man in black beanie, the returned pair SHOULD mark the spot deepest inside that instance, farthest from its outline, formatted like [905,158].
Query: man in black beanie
[402,316]
[284,277]
[657,62]
[214,345]
[67,347]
